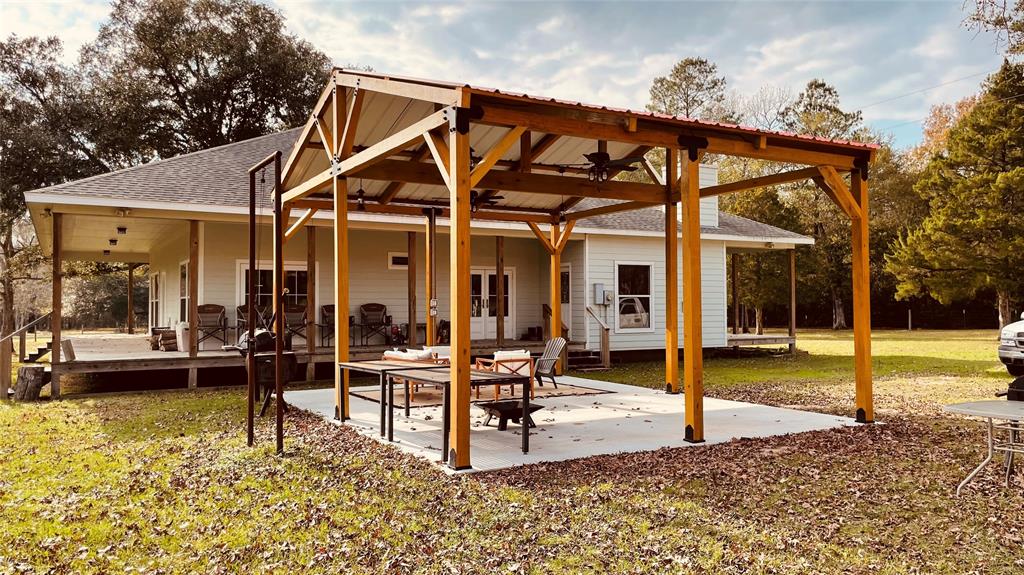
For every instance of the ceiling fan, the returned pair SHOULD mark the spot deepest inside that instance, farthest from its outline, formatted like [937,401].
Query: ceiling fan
[601,163]
[487,198]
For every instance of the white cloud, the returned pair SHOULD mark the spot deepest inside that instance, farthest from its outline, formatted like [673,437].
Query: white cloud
[75,23]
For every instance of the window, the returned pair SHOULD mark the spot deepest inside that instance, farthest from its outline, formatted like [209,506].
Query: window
[633,297]
[183,292]
[294,282]
[154,300]
[398,260]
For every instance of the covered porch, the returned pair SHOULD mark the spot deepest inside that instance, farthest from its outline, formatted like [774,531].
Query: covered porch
[458,148]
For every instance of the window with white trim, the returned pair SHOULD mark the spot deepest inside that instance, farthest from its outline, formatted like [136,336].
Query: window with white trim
[154,300]
[633,297]
[183,292]
[295,281]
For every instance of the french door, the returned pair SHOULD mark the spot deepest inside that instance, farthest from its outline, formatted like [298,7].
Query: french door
[483,300]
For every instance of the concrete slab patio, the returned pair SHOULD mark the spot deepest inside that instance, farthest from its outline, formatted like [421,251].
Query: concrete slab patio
[628,419]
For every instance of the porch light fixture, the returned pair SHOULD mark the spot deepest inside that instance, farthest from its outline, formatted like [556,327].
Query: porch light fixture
[106,252]
[113,241]
[121,230]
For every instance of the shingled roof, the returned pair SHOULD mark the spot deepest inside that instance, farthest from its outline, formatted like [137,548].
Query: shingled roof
[218,177]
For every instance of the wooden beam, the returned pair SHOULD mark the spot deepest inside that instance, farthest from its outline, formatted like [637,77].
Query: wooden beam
[56,313]
[525,152]
[431,278]
[341,304]
[534,183]
[311,293]
[405,88]
[298,225]
[841,194]
[314,184]
[461,260]
[652,173]
[442,156]
[671,272]
[494,154]
[760,182]
[394,187]
[348,138]
[542,145]
[410,296]
[544,242]
[499,282]
[563,239]
[325,139]
[483,215]
[555,292]
[693,361]
[613,127]
[862,302]
[326,96]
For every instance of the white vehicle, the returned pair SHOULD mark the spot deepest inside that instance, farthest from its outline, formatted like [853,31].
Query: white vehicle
[633,314]
[1011,347]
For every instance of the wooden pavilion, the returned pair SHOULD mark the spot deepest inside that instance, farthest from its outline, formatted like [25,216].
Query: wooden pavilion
[395,145]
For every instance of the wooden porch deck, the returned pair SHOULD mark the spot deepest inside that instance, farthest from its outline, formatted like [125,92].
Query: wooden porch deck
[99,353]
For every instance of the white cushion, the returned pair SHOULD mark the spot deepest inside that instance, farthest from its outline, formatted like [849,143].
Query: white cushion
[442,351]
[508,363]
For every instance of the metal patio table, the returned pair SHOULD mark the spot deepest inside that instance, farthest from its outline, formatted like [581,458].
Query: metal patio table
[477,378]
[1010,415]
[381,368]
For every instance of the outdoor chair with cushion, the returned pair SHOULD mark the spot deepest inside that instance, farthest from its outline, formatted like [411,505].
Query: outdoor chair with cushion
[518,362]
[417,356]
[326,325]
[212,322]
[373,320]
[544,366]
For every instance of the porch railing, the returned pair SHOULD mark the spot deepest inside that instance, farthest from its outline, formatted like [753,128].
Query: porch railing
[6,349]
[606,347]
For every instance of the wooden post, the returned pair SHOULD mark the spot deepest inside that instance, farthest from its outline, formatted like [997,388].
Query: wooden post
[862,300]
[6,365]
[735,293]
[431,276]
[555,325]
[499,279]
[693,362]
[671,272]
[130,324]
[56,314]
[280,220]
[411,288]
[311,287]
[193,296]
[459,193]
[341,306]
[792,300]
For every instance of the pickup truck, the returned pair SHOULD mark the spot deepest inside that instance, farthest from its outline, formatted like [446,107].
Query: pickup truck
[1011,347]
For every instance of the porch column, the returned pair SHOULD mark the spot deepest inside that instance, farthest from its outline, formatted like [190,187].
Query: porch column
[311,315]
[57,303]
[671,272]
[735,293]
[499,279]
[130,323]
[693,362]
[431,276]
[411,288]
[341,305]
[862,299]
[459,194]
[193,296]
[792,300]
[555,326]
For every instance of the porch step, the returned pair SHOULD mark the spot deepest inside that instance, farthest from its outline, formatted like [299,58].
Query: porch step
[40,351]
[583,360]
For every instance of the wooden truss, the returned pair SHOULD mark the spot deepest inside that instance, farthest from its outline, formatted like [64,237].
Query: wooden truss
[434,151]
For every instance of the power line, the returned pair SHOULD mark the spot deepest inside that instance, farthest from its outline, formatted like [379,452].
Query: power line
[922,90]
[1015,96]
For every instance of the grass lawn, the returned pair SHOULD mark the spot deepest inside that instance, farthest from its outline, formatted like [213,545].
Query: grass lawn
[163,483]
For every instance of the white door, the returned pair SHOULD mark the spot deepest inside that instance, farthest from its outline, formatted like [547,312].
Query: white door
[566,287]
[483,303]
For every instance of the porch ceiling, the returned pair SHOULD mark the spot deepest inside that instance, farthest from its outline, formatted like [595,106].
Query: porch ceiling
[85,237]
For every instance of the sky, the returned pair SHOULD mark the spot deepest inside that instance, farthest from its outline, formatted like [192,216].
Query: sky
[892,60]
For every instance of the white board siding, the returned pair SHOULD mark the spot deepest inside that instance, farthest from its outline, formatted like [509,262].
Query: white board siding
[574,255]
[602,254]
[709,206]
[371,280]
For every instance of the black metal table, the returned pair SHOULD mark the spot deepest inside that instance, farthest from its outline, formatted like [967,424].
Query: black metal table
[442,378]
[381,368]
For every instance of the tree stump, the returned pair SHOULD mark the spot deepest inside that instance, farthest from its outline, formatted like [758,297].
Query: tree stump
[31,379]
